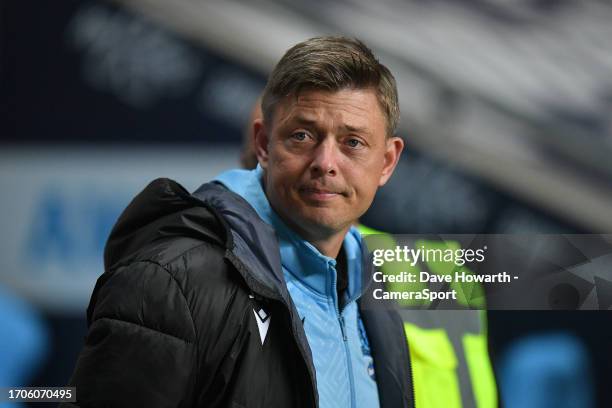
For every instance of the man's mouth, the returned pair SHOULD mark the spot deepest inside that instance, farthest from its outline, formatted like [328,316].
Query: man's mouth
[319,194]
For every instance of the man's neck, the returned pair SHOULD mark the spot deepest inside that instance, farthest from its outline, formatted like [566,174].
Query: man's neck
[327,242]
[331,245]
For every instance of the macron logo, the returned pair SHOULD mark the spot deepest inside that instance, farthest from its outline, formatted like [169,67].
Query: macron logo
[263,323]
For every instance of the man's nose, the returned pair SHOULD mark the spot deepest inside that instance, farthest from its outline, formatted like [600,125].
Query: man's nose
[325,160]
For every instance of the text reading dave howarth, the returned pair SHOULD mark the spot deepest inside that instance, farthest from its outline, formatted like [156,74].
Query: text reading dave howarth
[425,277]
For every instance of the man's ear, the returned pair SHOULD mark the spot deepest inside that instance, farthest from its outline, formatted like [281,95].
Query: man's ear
[260,142]
[393,151]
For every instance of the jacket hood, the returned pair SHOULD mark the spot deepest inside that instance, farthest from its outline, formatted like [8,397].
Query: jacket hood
[253,242]
[164,209]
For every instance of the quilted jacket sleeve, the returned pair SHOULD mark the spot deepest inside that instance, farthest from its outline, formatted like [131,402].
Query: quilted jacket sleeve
[141,346]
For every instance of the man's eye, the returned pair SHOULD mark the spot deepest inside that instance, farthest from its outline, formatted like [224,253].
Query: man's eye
[354,143]
[299,136]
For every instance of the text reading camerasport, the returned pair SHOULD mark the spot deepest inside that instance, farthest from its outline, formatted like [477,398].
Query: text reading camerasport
[425,294]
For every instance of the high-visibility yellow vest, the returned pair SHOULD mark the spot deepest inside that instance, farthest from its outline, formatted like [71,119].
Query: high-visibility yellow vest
[448,348]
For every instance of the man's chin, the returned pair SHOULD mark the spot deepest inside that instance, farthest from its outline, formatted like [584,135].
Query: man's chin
[323,224]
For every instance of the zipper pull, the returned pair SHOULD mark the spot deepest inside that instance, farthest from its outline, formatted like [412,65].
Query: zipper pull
[342,328]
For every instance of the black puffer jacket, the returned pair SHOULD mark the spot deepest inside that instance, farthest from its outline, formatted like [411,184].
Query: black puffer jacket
[171,320]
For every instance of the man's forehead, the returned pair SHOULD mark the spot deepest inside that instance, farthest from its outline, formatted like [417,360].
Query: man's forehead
[356,107]
[350,98]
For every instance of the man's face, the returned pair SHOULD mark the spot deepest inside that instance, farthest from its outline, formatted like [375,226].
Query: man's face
[324,156]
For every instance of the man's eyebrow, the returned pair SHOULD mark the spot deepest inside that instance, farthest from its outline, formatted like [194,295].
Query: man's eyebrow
[304,121]
[356,129]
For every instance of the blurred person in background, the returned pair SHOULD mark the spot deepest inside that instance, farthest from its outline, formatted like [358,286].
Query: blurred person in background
[24,341]
[247,293]
[547,370]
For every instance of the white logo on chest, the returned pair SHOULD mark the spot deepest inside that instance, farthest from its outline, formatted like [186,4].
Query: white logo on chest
[263,323]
